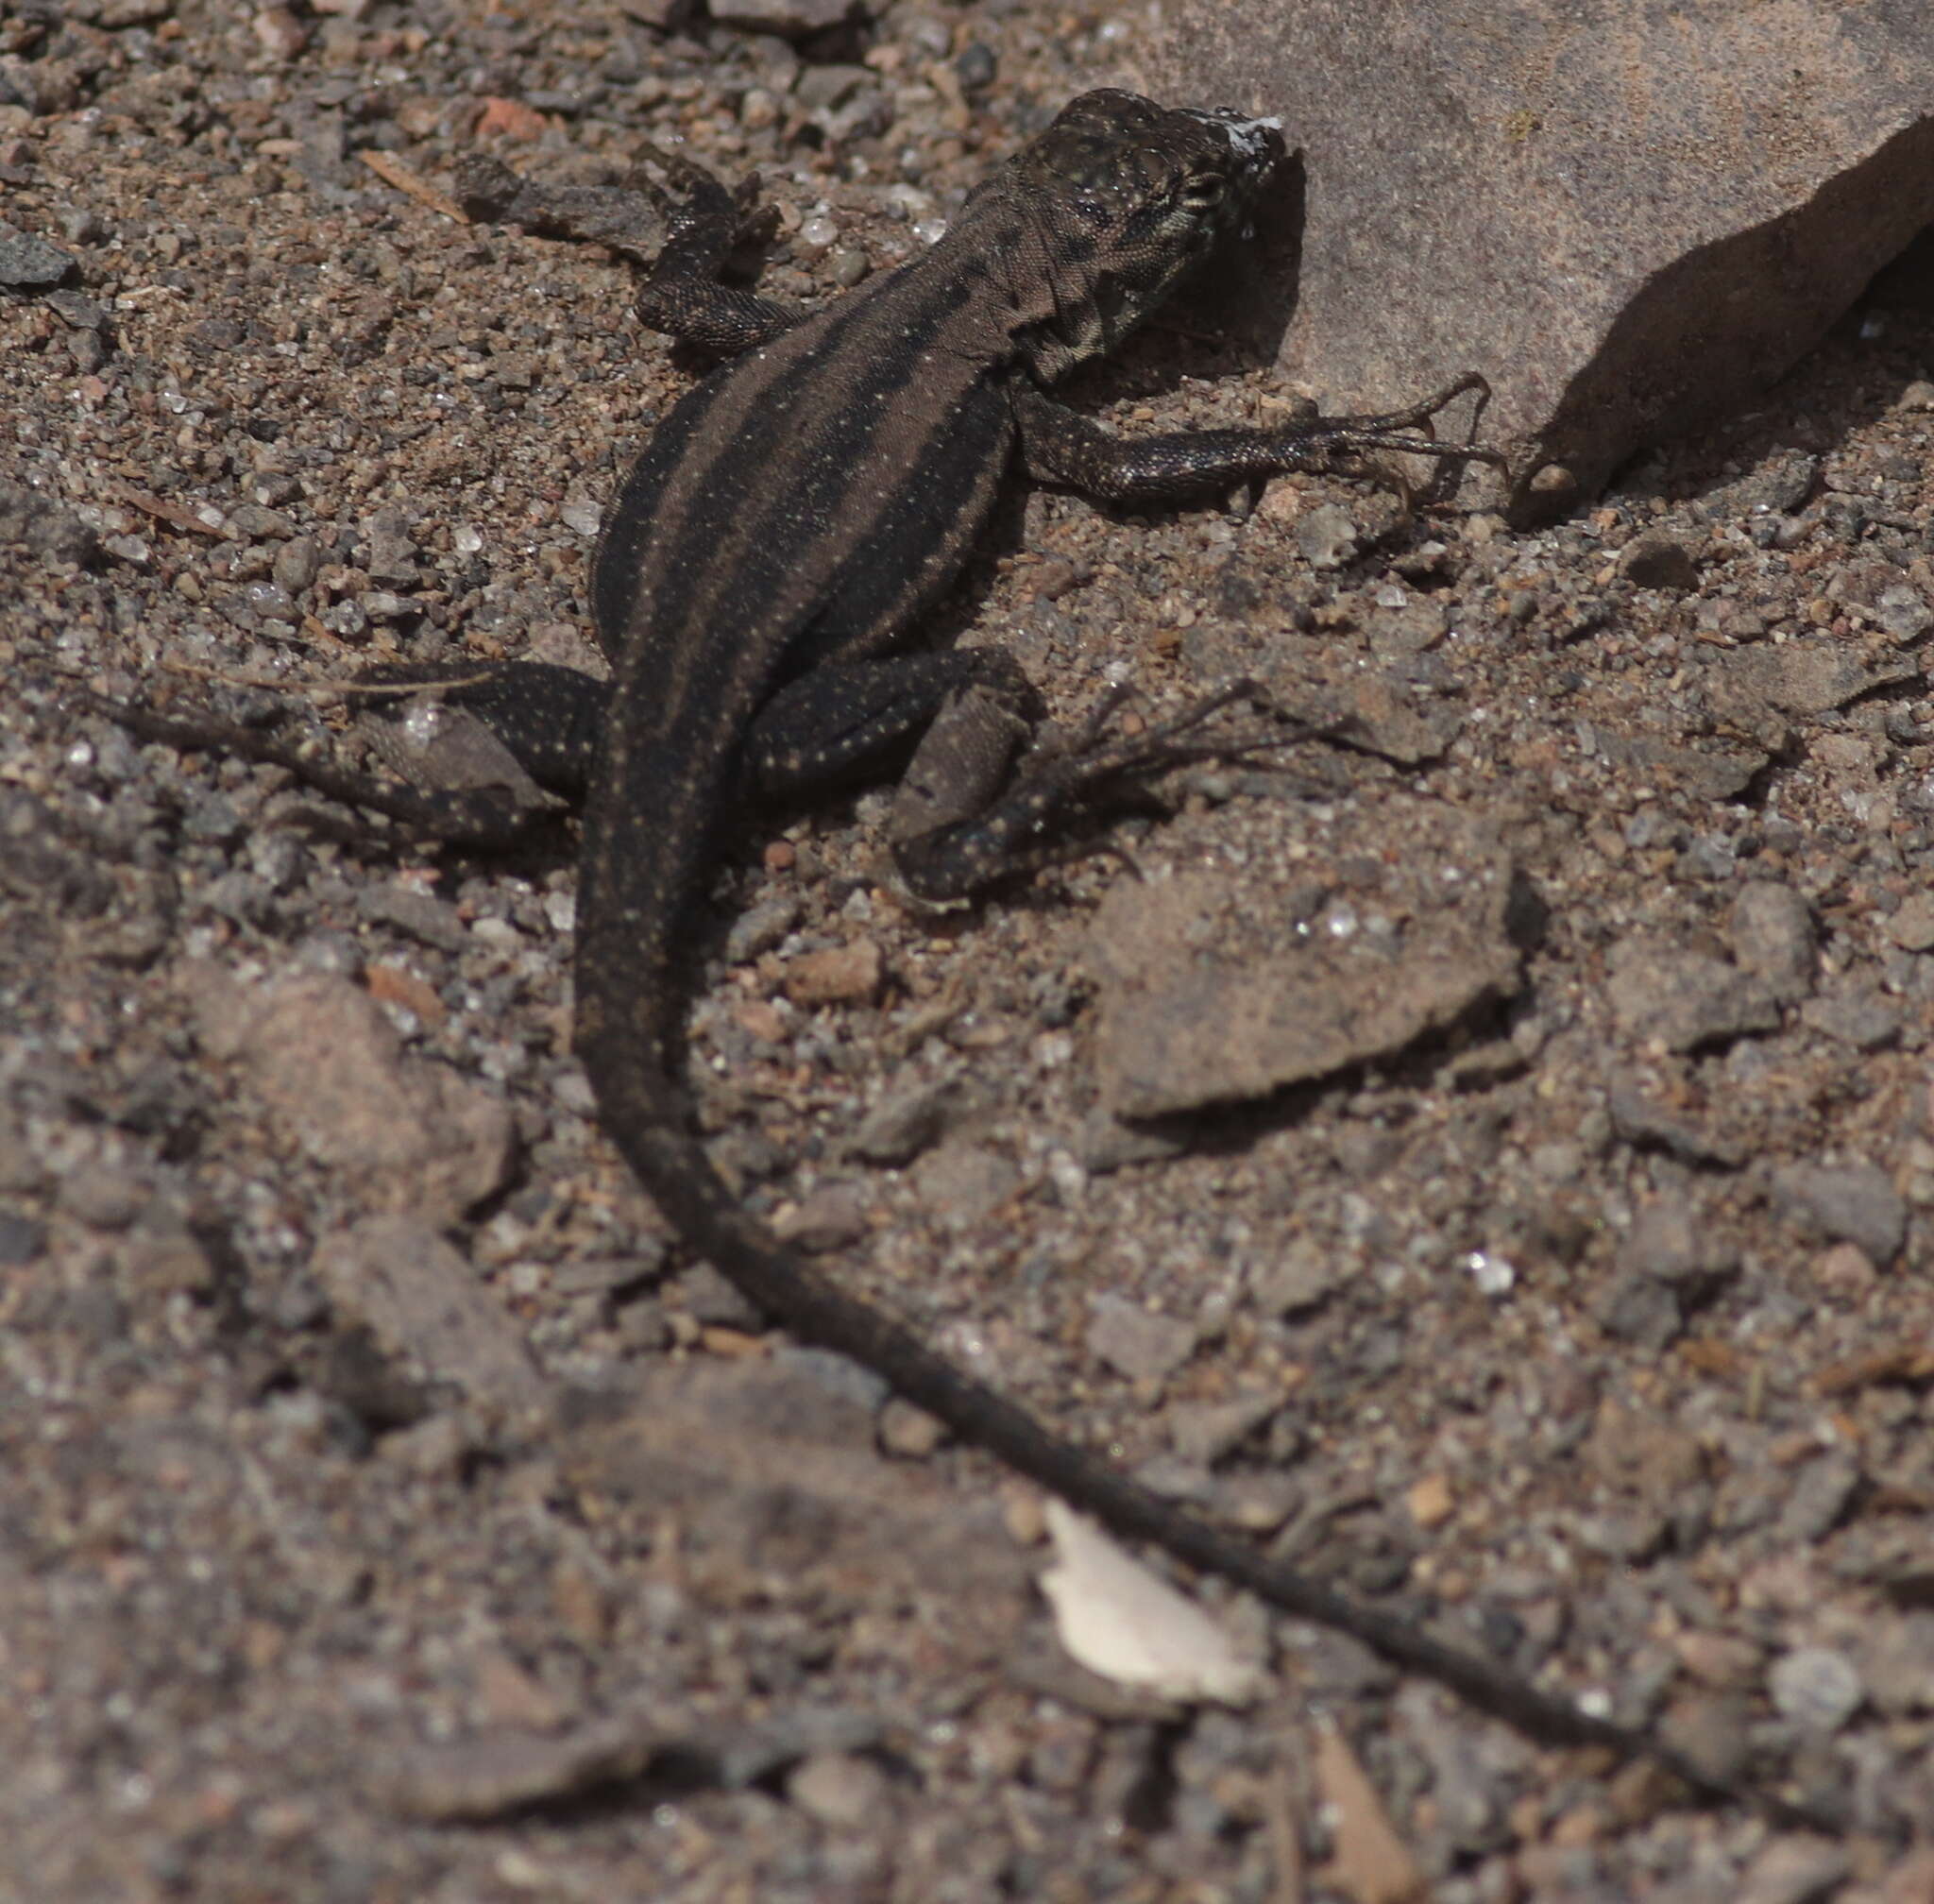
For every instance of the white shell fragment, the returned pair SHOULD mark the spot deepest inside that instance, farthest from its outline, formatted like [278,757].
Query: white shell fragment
[1119,1619]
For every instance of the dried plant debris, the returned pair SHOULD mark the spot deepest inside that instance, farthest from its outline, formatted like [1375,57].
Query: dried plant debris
[1130,1625]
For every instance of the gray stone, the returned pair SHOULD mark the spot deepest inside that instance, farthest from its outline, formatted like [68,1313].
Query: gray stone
[794,19]
[1851,1203]
[21,1238]
[42,526]
[1819,1498]
[103,1195]
[708,1298]
[1208,995]
[1855,1015]
[1304,1278]
[30,263]
[1904,612]
[962,1184]
[1770,931]
[1684,998]
[1671,1243]
[1464,208]
[422,915]
[1639,1118]
[1913,926]
[1141,1346]
[1776,488]
[1208,1432]
[296,564]
[907,1120]
[1816,1688]
[832,1218]
[1640,1309]
[1795,1870]
[1327,537]
[1659,561]
[1897,1662]
[418,1297]
[760,928]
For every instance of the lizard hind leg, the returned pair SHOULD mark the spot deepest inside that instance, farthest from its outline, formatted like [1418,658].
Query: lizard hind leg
[682,293]
[471,753]
[1021,826]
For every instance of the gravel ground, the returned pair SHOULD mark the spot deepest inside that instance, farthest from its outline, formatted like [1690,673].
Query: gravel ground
[391,1514]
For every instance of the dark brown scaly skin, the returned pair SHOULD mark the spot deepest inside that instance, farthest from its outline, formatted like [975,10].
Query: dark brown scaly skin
[785,530]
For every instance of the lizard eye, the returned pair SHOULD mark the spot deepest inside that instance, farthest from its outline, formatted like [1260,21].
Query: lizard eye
[1203,194]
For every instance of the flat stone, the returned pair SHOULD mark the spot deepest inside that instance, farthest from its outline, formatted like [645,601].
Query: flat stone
[909,1118]
[792,19]
[1809,676]
[1851,1203]
[1706,771]
[1685,998]
[1913,926]
[1463,209]
[30,263]
[1380,716]
[1208,1432]
[1671,1243]
[1206,998]
[1659,561]
[1304,1277]
[1143,1347]
[1816,1688]
[1795,1870]
[1771,932]
[1861,1016]
[1819,1497]
[960,1183]
[1897,1662]
[404,1132]
[418,1297]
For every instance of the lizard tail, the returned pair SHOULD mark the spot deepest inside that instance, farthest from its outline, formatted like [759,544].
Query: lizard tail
[790,1291]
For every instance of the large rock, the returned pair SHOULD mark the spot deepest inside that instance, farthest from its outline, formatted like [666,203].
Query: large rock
[1628,217]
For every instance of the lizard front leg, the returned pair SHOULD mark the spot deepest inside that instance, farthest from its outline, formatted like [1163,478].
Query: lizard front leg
[1061,446]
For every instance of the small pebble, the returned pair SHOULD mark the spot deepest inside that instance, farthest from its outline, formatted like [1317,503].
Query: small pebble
[839,1790]
[1816,1688]
[1430,1502]
[1659,561]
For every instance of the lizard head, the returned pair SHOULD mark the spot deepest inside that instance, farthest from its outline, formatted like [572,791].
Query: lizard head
[1125,198]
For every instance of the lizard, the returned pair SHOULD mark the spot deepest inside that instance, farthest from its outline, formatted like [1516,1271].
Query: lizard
[755,582]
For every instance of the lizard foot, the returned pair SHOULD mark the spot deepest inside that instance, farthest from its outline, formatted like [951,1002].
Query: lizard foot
[462,784]
[1412,430]
[1068,775]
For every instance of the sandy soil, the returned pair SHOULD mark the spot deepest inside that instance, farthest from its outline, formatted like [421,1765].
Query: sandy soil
[1488,1153]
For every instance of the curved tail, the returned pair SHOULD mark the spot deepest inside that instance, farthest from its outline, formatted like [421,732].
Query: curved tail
[790,1291]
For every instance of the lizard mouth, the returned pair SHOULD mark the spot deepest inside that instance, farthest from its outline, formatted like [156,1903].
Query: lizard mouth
[1256,144]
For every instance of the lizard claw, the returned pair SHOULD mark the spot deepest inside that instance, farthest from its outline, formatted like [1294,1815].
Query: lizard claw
[701,205]
[1070,776]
